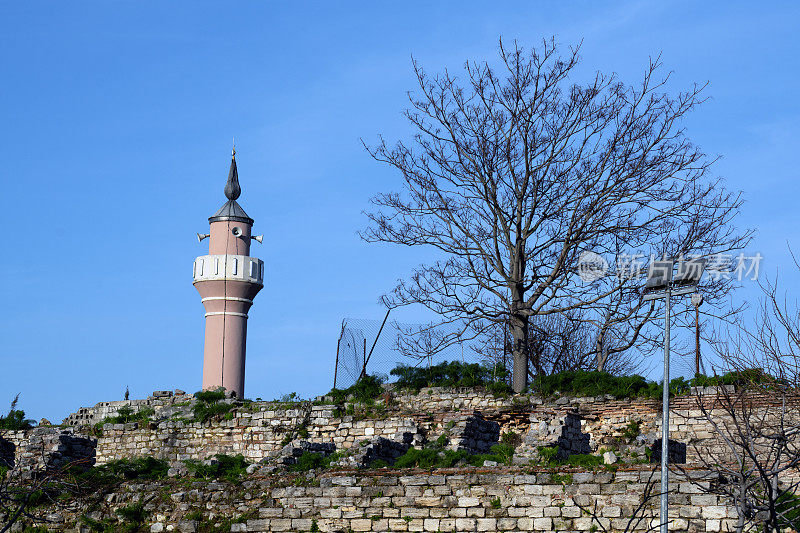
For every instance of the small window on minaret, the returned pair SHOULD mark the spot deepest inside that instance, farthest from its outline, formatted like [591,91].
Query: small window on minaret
[253,269]
[216,265]
[235,267]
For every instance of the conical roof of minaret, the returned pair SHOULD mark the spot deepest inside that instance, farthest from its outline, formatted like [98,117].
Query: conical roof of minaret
[232,210]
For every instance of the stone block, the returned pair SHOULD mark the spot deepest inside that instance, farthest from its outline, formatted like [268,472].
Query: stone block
[466,524]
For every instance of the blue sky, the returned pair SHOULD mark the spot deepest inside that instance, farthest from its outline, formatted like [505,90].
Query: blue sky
[117,119]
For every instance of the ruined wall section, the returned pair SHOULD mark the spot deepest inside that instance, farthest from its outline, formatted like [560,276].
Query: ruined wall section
[465,419]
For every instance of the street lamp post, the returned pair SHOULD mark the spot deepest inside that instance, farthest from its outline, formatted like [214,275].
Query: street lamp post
[697,301]
[660,284]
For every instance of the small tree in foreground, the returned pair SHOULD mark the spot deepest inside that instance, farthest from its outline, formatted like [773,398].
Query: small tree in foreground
[15,419]
[514,173]
[755,449]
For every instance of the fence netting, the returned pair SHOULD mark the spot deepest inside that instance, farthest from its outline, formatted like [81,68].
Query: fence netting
[374,346]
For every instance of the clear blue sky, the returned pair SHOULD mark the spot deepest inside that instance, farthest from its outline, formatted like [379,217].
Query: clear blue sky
[117,119]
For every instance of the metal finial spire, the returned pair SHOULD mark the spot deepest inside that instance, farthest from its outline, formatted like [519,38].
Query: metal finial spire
[232,188]
[233,153]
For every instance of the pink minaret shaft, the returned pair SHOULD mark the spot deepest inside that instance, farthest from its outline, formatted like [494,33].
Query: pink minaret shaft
[227,279]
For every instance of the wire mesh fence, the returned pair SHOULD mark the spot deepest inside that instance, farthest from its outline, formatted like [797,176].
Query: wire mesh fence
[372,346]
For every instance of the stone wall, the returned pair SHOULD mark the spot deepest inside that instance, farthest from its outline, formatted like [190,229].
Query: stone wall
[497,499]
[440,501]
[465,419]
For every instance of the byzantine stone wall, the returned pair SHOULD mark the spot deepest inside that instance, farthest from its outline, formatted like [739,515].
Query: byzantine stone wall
[465,419]
[492,498]
[442,501]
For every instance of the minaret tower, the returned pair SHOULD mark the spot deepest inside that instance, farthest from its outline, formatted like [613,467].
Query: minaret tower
[227,279]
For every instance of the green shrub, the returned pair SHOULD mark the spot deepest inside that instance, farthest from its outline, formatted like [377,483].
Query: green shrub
[632,431]
[99,526]
[584,460]
[210,396]
[230,467]
[15,419]
[133,514]
[132,517]
[452,374]
[437,458]
[500,453]
[138,468]
[548,453]
[313,461]
[549,456]
[752,376]
[430,458]
[378,463]
[127,415]
[592,383]
[209,406]
[788,507]
[365,390]
[512,438]
[194,514]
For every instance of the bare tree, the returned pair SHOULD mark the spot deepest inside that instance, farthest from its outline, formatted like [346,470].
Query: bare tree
[755,453]
[514,172]
[756,423]
[640,518]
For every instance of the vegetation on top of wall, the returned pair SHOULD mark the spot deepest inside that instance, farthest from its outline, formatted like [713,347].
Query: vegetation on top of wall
[314,461]
[592,383]
[365,390]
[438,458]
[210,405]
[222,466]
[15,419]
[549,457]
[137,468]
[126,415]
[753,376]
[451,374]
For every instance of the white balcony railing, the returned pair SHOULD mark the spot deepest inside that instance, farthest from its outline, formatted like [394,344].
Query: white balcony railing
[229,267]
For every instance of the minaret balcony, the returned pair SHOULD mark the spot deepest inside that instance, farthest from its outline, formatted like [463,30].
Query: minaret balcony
[229,268]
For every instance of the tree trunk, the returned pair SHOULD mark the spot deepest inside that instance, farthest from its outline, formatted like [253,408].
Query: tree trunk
[519,351]
[602,356]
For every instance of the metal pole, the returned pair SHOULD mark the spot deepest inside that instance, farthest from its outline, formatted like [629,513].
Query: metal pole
[696,339]
[364,369]
[665,423]
[369,355]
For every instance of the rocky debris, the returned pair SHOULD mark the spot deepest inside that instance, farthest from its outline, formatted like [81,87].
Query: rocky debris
[556,429]
[288,454]
[178,469]
[376,449]
[609,458]
[162,394]
[474,434]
